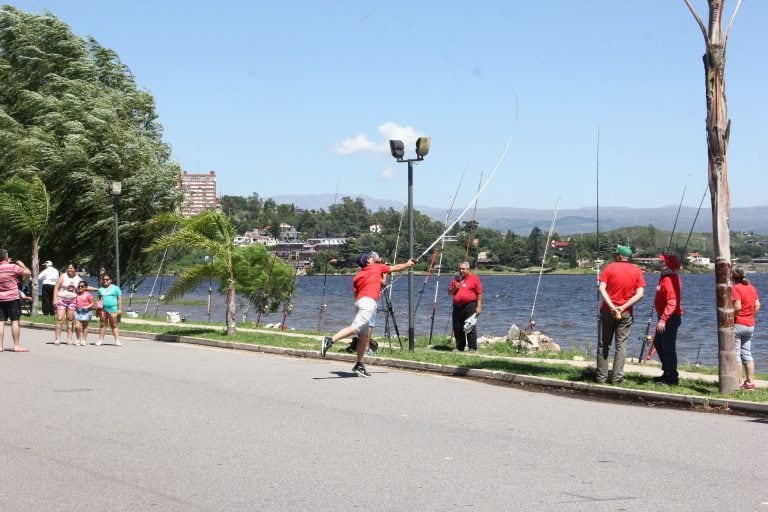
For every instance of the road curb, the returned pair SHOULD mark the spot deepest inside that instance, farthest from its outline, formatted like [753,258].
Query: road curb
[633,396]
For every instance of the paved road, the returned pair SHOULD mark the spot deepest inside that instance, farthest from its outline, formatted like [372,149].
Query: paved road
[167,427]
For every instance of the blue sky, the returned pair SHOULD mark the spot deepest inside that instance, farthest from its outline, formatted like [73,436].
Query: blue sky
[300,97]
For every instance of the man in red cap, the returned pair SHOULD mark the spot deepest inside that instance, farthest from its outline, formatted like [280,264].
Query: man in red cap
[670,312]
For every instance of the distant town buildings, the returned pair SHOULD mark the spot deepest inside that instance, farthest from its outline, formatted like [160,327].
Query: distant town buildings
[199,193]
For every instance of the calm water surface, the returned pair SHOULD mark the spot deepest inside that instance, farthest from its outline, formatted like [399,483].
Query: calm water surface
[566,309]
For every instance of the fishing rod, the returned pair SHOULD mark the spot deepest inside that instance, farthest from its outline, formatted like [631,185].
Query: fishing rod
[685,247]
[160,269]
[442,250]
[210,291]
[262,304]
[482,189]
[598,261]
[472,224]
[647,338]
[426,278]
[323,306]
[531,321]
[289,305]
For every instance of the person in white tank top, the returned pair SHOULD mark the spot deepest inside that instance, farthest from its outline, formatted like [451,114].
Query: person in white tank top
[64,294]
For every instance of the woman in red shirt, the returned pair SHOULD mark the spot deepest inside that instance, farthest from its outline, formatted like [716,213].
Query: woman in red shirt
[746,304]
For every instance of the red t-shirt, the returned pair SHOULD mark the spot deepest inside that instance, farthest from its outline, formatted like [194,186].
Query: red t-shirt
[622,280]
[367,281]
[668,297]
[747,294]
[469,288]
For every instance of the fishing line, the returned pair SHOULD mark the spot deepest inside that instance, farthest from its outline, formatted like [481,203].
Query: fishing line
[479,192]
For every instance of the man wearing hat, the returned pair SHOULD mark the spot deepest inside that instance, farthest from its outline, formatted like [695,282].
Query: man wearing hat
[367,288]
[670,311]
[621,285]
[47,279]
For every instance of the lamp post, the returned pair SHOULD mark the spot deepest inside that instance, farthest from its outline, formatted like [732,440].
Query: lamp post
[397,149]
[115,189]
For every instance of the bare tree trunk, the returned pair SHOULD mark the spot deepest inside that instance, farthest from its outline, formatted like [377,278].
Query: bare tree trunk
[718,133]
[231,307]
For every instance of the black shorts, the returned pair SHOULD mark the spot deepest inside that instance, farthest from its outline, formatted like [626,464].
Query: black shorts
[10,310]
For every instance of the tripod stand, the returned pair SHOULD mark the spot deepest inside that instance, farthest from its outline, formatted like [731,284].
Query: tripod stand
[385,304]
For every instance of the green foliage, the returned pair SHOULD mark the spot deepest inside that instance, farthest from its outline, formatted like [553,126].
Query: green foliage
[262,278]
[208,232]
[71,115]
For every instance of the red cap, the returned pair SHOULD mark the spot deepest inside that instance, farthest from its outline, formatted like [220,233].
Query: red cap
[670,260]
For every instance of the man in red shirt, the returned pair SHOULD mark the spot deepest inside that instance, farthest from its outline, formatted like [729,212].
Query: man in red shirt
[467,292]
[670,312]
[10,304]
[621,285]
[367,288]
[746,304]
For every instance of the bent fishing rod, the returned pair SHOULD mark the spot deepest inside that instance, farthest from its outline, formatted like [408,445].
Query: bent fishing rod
[482,189]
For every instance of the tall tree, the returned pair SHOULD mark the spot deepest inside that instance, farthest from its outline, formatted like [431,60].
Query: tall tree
[210,233]
[718,128]
[70,113]
[25,208]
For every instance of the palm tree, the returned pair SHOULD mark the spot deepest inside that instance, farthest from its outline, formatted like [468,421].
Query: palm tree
[25,207]
[210,233]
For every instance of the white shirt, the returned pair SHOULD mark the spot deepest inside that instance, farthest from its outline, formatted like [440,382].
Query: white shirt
[48,276]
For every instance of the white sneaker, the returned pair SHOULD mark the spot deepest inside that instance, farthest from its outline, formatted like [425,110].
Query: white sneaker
[117,343]
[99,343]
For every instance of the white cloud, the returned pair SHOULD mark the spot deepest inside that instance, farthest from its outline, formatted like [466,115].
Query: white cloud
[358,144]
[362,143]
[387,174]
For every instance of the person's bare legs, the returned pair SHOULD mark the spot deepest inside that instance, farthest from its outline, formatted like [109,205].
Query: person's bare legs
[70,325]
[749,369]
[343,333]
[84,328]
[362,344]
[16,335]
[113,325]
[102,326]
[60,314]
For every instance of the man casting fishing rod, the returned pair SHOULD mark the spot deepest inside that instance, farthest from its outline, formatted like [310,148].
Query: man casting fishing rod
[367,288]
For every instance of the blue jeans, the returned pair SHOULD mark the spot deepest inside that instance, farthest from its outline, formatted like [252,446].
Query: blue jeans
[665,343]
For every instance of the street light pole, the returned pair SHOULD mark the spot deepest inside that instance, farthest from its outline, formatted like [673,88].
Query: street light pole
[397,149]
[411,323]
[115,189]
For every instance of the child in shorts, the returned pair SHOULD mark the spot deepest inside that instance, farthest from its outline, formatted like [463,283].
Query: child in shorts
[83,313]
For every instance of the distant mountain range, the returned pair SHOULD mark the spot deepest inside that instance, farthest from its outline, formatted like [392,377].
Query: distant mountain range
[574,221]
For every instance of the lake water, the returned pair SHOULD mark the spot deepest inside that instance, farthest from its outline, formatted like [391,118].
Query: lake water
[566,309]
